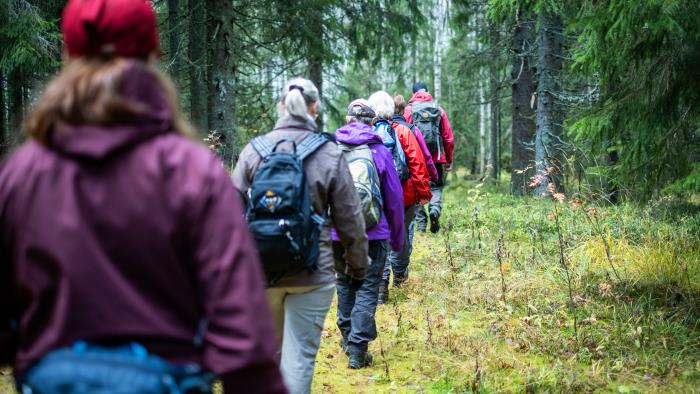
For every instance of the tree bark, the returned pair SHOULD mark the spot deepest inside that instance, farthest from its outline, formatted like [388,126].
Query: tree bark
[197,66]
[222,75]
[16,102]
[483,120]
[548,143]
[523,89]
[315,50]
[174,39]
[316,76]
[494,159]
[439,44]
[3,139]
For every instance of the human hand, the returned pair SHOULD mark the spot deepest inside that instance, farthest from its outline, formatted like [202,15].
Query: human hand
[448,167]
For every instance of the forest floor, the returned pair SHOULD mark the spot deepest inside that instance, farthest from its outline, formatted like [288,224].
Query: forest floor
[520,296]
[527,295]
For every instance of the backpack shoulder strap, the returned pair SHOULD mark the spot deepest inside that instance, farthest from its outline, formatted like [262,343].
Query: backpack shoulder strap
[310,144]
[262,146]
[410,126]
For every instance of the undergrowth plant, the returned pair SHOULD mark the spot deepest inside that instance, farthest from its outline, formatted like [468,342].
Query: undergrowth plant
[578,316]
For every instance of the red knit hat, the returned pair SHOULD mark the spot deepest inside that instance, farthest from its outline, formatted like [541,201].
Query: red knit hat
[125,28]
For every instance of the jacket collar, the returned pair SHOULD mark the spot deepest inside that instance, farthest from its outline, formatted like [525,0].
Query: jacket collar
[295,122]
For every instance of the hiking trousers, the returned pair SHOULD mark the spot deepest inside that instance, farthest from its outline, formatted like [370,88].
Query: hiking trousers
[299,314]
[398,261]
[435,204]
[357,300]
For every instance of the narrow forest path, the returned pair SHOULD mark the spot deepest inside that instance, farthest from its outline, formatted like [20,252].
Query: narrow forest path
[451,329]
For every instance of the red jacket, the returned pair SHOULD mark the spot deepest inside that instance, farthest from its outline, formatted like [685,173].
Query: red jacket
[417,188]
[445,156]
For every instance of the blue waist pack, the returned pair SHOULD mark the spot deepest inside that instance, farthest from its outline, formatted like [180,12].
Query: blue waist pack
[86,368]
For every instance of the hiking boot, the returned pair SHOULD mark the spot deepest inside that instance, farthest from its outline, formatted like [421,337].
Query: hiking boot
[421,227]
[383,294]
[399,279]
[359,359]
[434,222]
[344,346]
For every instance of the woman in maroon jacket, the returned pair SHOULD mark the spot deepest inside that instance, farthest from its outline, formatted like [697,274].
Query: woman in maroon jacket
[118,228]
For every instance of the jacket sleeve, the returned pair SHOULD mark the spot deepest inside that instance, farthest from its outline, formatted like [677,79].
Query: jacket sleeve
[447,136]
[392,194]
[432,171]
[348,221]
[407,113]
[239,339]
[8,337]
[416,164]
[242,173]
[8,334]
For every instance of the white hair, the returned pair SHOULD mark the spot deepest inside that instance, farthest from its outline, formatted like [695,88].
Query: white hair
[383,104]
[297,97]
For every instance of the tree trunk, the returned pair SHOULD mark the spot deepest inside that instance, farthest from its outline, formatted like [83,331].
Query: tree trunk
[548,136]
[316,76]
[222,75]
[437,53]
[493,159]
[197,66]
[16,103]
[483,119]
[315,49]
[414,57]
[3,139]
[524,86]
[174,39]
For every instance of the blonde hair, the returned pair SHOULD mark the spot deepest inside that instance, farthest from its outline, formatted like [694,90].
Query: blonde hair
[399,104]
[88,91]
[298,96]
[383,104]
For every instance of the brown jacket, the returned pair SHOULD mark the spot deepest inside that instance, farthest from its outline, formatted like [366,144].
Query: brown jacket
[333,193]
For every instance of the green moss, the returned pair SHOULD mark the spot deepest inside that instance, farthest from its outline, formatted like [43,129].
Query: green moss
[448,330]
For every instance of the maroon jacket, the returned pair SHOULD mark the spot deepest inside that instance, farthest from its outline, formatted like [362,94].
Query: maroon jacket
[131,233]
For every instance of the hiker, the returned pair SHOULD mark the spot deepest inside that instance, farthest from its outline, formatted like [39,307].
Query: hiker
[125,261]
[380,193]
[302,280]
[432,121]
[416,187]
[399,107]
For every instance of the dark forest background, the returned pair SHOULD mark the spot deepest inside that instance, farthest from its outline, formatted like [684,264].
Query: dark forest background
[595,97]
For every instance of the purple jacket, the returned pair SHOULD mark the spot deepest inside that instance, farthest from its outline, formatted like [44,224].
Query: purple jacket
[390,225]
[131,232]
[432,171]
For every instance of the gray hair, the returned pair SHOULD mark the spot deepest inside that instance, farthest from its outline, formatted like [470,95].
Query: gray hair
[297,96]
[359,119]
[383,104]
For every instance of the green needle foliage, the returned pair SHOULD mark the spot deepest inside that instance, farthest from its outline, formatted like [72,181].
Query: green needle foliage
[644,56]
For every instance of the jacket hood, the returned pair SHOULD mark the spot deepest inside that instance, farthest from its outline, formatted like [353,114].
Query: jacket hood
[93,141]
[421,97]
[357,134]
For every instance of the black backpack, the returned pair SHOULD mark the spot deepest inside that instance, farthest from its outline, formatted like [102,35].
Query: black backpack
[426,115]
[279,211]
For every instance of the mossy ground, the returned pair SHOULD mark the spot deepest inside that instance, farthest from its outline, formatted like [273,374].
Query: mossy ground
[451,328]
